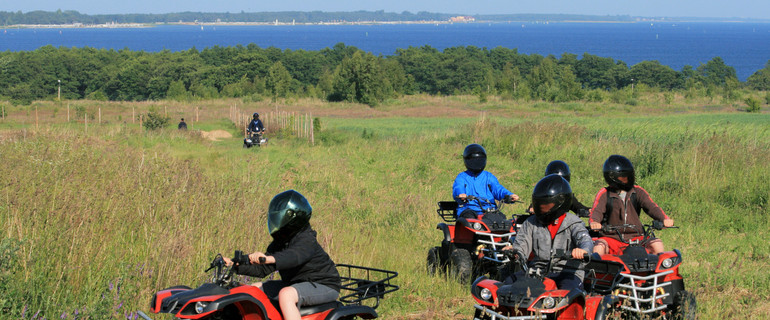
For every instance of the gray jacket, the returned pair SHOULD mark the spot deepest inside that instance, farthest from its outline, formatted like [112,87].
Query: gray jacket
[534,237]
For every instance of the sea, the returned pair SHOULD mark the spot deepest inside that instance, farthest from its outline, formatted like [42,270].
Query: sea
[742,45]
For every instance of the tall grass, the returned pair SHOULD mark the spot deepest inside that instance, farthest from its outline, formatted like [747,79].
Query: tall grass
[102,220]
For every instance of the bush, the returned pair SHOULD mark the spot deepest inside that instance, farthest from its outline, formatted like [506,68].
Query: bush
[752,104]
[154,120]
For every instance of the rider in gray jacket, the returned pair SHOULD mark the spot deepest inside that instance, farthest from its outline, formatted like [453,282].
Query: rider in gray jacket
[552,230]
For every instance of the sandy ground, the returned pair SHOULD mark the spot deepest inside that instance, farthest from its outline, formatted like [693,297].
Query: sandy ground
[215,135]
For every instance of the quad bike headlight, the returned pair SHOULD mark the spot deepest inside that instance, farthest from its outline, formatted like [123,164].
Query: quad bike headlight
[668,263]
[476,226]
[200,306]
[549,302]
[485,294]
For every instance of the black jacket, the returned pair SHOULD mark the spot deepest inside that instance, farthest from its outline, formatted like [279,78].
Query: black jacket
[300,259]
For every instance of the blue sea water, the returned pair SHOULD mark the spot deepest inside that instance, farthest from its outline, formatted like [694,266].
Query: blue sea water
[744,46]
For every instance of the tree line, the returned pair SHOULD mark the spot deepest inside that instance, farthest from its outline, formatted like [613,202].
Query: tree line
[346,73]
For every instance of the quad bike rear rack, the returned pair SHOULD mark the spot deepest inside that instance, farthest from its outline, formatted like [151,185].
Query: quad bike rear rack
[363,283]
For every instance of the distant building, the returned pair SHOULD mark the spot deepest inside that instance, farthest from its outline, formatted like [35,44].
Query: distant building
[462,19]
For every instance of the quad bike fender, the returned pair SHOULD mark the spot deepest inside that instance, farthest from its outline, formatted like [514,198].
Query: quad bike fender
[598,307]
[227,300]
[446,230]
[157,299]
[363,312]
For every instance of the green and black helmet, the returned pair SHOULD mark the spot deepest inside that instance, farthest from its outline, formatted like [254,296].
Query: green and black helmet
[288,213]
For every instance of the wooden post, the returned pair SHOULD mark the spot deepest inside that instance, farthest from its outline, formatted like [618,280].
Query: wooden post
[68,112]
[197,114]
[133,114]
[312,130]
[85,120]
[140,122]
[165,111]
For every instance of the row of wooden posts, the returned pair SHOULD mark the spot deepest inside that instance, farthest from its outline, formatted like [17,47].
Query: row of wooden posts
[296,123]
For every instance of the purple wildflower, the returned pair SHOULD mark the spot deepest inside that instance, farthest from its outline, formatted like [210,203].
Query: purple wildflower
[64,315]
[36,313]
[24,312]
[110,285]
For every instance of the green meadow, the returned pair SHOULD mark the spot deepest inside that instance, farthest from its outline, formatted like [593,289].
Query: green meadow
[96,217]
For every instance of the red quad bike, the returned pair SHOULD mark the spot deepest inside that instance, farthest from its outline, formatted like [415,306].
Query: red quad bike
[535,296]
[471,246]
[225,298]
[646,285]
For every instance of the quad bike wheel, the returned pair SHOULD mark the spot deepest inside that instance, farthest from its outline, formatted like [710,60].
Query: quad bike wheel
[433,262]
[460,265]
[685,306]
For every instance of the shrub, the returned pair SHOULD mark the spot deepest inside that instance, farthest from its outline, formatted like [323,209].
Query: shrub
[154,120]
[752,104]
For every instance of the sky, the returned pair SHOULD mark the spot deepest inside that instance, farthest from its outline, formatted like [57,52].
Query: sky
[647,8]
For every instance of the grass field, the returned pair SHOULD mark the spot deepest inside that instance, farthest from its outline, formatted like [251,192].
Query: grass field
[95,220]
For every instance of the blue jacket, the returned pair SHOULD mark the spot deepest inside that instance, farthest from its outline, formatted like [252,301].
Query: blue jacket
[256,125]
[484,185]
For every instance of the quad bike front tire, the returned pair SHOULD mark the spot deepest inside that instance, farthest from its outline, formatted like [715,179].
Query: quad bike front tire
[460,265]
[685,306]
[433,262]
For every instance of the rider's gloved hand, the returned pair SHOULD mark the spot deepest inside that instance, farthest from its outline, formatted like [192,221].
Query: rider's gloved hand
[595,225]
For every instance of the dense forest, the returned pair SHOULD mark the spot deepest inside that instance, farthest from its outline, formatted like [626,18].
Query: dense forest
[71,17]
[345,73]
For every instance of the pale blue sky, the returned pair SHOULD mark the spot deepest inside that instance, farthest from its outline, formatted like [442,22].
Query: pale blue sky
[668,8]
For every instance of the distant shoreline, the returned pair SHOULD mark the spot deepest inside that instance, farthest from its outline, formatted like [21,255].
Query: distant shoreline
[280,23]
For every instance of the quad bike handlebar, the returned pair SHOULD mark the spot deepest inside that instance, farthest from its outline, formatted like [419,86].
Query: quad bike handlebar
[647,231]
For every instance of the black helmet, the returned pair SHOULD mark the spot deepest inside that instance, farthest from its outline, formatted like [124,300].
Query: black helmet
[558,167]
[555,190]
[256,115]
[619,166]
[475,158]
[288,213]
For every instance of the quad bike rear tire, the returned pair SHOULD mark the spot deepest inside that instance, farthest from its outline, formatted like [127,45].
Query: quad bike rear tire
[433,261]
[460,265]
[685,306]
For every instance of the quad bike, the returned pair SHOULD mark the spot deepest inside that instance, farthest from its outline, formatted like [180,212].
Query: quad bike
[254,139]
[226,298]
[471,246]
[646,284]
[535,296]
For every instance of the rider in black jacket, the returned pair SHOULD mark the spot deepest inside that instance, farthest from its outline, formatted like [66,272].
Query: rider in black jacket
[308,275]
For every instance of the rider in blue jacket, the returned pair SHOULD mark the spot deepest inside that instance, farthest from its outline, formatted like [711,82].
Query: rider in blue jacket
[256,125]
[478,183]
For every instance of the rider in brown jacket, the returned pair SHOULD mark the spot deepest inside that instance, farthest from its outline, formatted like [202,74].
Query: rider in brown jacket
[625,200]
